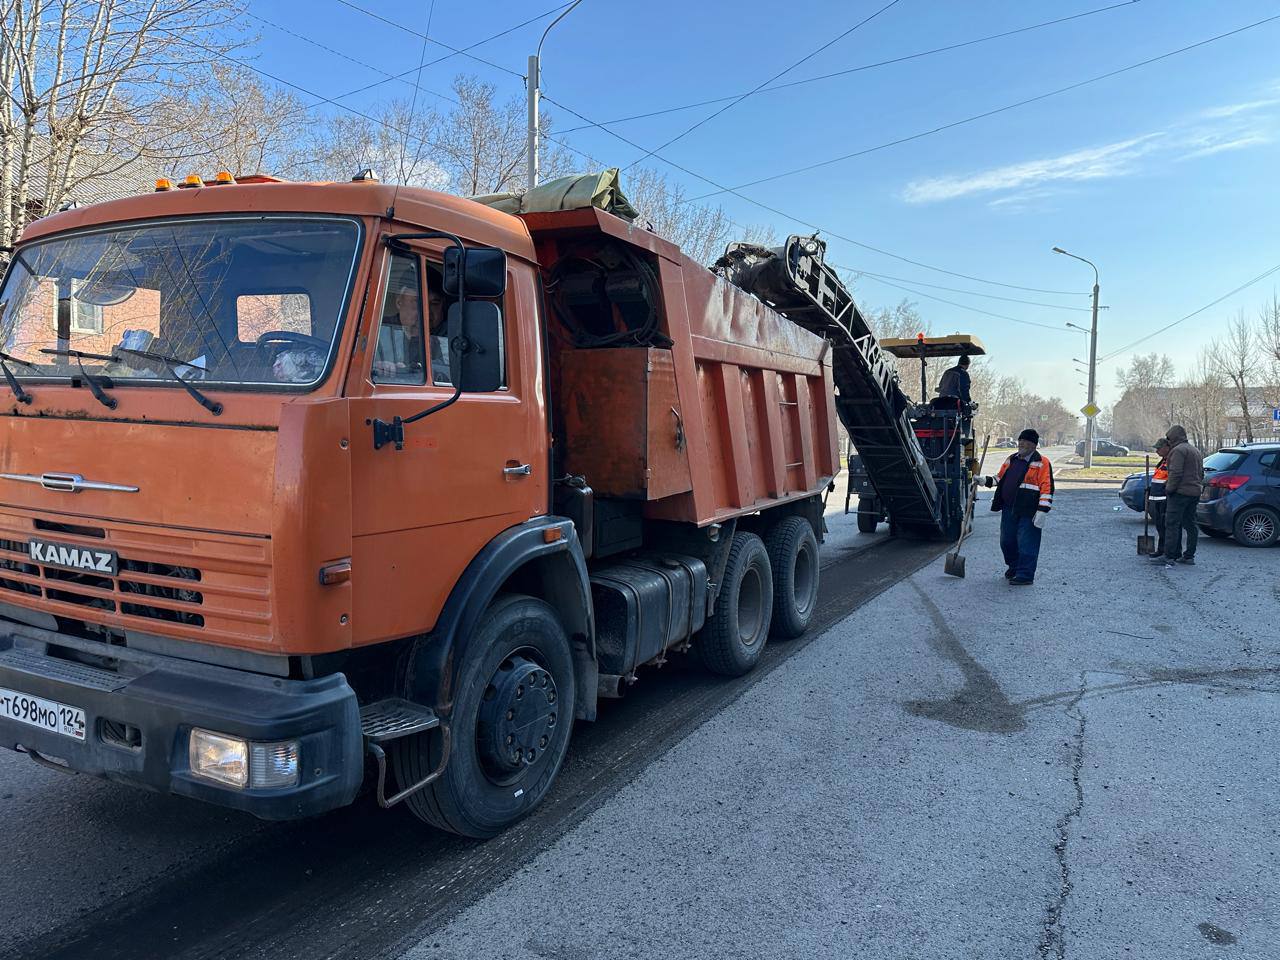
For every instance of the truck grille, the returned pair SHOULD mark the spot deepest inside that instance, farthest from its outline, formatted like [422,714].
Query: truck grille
[199,585]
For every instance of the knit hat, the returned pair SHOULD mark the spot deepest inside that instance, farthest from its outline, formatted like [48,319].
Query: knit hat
[964,360]
[1029,434]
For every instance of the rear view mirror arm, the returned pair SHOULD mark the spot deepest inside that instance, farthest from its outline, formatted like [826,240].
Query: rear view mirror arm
[393,432]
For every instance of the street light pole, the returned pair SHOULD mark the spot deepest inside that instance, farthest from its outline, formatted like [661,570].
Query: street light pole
[534,86]
[1093,359]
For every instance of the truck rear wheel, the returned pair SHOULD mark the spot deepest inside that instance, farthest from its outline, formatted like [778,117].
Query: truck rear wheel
[510,726]
[793,558]
[734,636]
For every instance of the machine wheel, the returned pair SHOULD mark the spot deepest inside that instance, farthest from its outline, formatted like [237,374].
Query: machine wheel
[510,726]
[867,521]
[1256,527]
[735,634]
[793,558]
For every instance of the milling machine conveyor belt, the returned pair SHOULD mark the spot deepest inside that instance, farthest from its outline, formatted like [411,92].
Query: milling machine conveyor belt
[795,281]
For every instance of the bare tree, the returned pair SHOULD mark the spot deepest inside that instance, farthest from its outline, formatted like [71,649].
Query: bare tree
[1200,403]
[1141,413]
[1268,337]
[397,141]
[482,144]
[700,231]
[81,83]
[240,125]
[1236,360]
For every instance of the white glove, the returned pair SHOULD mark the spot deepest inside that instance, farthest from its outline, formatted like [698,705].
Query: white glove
[1040,519]
[985,481]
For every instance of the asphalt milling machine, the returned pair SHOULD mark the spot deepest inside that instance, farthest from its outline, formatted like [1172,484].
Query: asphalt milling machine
[914,466]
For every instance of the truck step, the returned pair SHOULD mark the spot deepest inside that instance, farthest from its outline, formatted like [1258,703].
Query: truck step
[393,718]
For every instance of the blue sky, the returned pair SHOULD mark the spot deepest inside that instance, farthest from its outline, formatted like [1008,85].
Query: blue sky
[1164,176]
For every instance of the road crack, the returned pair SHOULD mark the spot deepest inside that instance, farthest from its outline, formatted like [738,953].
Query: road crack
[1052,939]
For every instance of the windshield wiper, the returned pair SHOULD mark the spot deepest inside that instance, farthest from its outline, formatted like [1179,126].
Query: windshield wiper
[19,393]
[95,387]
[213,406]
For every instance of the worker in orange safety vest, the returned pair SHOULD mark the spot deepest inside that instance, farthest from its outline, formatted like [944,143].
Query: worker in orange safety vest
[1157,495]
[1023,498]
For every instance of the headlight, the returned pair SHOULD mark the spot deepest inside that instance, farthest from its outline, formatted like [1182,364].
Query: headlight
[218,758]
[239,763]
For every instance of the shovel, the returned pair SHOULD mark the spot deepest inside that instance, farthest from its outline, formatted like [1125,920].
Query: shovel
[954,564]
[1146,542]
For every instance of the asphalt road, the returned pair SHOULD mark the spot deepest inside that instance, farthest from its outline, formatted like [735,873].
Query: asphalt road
[1085,768]
[98,870]
[963,769]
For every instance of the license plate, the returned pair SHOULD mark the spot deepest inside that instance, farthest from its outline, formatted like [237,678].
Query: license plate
[42,714]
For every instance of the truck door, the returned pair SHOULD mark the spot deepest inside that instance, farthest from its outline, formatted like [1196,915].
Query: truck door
[465,474]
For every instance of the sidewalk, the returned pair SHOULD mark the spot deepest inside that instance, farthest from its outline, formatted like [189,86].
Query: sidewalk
[961,769]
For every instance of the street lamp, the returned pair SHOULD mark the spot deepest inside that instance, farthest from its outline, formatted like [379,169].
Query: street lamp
[534,81]
[1093,359]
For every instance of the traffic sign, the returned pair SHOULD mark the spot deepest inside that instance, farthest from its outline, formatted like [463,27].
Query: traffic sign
[1091,410]
[1275,414]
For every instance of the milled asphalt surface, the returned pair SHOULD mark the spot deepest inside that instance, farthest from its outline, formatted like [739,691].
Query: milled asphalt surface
[962,769]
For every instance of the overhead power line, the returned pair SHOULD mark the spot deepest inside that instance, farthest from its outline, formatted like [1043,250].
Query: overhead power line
[806,223]
[967,293]
[858,69]
[1193,313]
[421,36]
[988,313]
[982,116]
[809,56]
[389,77]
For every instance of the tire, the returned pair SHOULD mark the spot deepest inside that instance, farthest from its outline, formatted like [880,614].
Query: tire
[867,521]
[733,638]
[793,559]
[1256,527]
[518,660]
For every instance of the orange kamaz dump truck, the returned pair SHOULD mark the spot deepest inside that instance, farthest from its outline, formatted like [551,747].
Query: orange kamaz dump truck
[303,482]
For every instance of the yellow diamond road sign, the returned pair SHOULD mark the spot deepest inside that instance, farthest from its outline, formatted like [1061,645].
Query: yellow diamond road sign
[1091,410]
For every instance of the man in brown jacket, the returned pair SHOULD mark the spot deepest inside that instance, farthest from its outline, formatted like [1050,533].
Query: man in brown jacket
[1186,480]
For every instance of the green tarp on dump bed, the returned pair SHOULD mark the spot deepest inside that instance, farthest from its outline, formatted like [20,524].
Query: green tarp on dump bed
[568,193]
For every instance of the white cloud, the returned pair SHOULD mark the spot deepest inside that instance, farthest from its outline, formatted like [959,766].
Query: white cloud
[1110,160]
[1235,109]
[1230,127]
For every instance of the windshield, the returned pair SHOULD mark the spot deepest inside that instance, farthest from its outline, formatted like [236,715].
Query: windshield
[233,301]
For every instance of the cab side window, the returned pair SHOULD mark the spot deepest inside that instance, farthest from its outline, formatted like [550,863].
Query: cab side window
[400,354]
[438,327]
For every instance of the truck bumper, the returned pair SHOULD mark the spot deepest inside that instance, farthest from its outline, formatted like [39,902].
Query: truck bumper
[138,722]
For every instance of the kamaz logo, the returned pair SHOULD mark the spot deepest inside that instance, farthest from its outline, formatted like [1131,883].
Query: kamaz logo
[73,558]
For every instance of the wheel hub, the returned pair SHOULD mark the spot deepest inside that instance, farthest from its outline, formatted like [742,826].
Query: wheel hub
[1258,527]
[517,716]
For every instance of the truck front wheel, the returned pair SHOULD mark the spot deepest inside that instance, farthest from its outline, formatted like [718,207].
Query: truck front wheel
[734,636]
[510,725]
[793,558]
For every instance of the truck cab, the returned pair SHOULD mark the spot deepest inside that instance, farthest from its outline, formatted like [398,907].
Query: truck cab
[283,495]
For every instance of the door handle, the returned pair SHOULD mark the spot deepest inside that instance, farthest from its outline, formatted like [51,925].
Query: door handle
[523,470]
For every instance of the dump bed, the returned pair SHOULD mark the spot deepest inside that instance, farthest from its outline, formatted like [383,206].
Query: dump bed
[672,387]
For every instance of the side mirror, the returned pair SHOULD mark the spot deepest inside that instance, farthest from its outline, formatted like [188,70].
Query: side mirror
[486,269]
[476,328]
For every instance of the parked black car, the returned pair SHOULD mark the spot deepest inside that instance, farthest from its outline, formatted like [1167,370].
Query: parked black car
[1103,448]
[1242,494]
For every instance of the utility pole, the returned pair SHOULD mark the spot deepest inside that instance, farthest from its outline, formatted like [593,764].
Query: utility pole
[1090,408]
[534,86]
